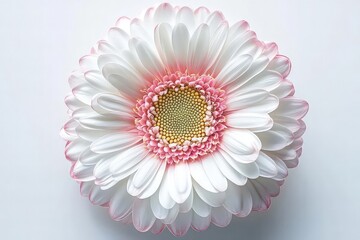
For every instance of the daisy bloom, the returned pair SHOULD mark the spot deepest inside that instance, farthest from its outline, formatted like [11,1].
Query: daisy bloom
[179,120]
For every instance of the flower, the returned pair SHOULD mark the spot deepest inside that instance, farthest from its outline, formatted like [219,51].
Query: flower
[178,120]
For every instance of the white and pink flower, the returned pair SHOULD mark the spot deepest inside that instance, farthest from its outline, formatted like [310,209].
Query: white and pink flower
[178,120]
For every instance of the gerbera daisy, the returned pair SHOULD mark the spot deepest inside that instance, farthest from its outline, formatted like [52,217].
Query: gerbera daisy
[178,119]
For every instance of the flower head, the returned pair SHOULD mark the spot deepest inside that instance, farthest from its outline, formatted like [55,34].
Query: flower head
[178,119]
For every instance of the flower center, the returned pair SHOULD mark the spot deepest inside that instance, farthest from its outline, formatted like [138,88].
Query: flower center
[181,115]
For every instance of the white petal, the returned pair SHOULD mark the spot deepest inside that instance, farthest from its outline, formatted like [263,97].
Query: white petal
[200,207]
[200,223]
[242,144]
[164,13]
[213,173]
[75,148]
[163,42]
[149,59]
[180,42]
[220,217]
[285,89]
[127,81]
[84,92]
[85,188]
[88,157]
[181,225]
[276,138]
[266,165]
[213,199]
[228,171]
[281,169]
[280,64]
[90,134]
[158,210]
[158,227]
[118,38]
[260,198]
[164,196]
[217,43]
[121,203]
[109,122]
[126,160]
[201,14]
[292,107]
[73,103]
[187,205]
[186,16]
[155,183]
[198,49]
[214,20]
[249,170]
[230,75]
[271,186]
[179,182]
[172,214]
[266,80]
[250,98]
[124,24]
[199,175]
[142,216]
[144,176]
[248,120]
[81,172]
[88,62]
[292,124]
[238,200]
[115,142]
[105,103]
[100,197]
[139,30]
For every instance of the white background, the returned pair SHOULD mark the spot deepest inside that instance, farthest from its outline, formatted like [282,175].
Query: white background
[41,41]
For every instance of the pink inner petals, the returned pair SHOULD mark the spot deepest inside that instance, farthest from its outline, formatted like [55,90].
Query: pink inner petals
[196,147]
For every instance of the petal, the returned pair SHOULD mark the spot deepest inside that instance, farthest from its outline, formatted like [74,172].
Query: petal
[200,207]
[179,182]
[242,144]
[158,227]
[248,120]
[155,183]
[142,216]
[100,197]
[88,157]
[249,170]
[200,223]
[172,215]
[97,80]
[181,225]
[144,176]
[276,138]
[266,80]
[260,198]
[127,81]
[292,107]
[126,160]
[187,205]
[84,92]
[114,142]
[213,199]
[90,134]
[228,171]
[186,16]
[198,49]
[105,103]
[81,172]
[164,13]
[292,124]
[118,38]
[158,210]
[199,175]
[280,64]
[285,89]
[180,43]
[163,42]
[266,165]
[250,98]
[109,122]
[121,203]
[75,148]
[164,196]
[220,217]
[213,173]
[238,200]
[85,188]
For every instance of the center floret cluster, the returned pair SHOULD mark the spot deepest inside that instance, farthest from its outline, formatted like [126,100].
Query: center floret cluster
[181,117]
